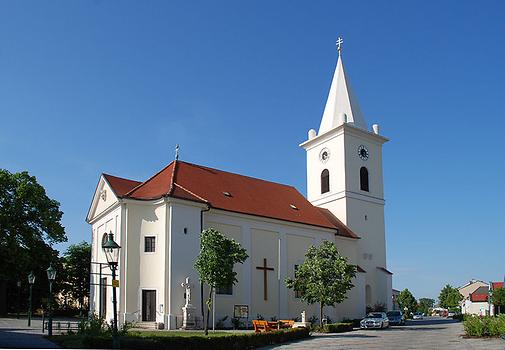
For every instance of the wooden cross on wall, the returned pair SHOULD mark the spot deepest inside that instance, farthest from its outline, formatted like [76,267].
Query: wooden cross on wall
[265,270]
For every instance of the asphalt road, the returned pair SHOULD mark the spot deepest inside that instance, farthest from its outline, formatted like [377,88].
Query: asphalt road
[431,333]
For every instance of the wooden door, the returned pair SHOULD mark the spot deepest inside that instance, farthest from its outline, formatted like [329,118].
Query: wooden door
[149,305]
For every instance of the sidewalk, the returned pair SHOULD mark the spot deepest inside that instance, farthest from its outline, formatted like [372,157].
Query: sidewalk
[14,333]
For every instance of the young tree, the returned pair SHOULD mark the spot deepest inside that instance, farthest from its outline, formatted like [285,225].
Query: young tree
[324,277]
[425,304]
[76,262]
[30,223]
[498,299]
[449,297]
[218,255]
[407,302]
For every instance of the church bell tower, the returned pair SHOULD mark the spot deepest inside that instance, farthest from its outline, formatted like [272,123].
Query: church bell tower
[344,175]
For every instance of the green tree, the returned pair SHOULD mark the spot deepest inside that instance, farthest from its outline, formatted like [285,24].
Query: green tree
[324,277]
[498,299]
[425,304]
[76,263]
[407,302]
[449,297]
[29,226]
[218,255]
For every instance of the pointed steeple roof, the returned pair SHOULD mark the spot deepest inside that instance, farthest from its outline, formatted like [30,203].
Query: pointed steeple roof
[342,105]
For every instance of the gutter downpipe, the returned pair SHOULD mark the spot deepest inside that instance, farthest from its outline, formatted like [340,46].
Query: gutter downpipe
[201,284]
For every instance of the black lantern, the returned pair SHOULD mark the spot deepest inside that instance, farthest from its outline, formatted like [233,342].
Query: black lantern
[111,250]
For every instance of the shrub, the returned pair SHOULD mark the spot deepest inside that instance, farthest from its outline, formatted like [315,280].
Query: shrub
[335,327]
[487,326]
[355,322]
[226,342]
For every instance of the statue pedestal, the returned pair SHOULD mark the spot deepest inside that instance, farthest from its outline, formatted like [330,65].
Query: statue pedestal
[301,325]
[188,317]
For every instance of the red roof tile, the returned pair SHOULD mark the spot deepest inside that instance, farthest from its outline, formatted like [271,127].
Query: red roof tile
[119,185]
[495,285]
[478,297]
[235,193]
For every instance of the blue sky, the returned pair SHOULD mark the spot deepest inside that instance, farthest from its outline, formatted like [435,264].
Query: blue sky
[238,83]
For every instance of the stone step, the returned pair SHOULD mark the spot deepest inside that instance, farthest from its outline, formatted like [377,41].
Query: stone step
[145,325]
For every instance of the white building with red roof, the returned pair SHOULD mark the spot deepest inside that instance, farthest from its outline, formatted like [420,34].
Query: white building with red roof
[157,222]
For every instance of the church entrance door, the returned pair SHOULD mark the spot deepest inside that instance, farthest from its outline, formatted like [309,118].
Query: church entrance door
[148,305]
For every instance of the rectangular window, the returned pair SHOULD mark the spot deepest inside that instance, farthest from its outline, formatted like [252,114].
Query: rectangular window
[149,244]
[298,294]
[228,290]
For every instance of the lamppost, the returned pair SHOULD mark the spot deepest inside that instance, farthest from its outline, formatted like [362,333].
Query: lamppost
[31,281]
[18,284]
[51,276]
[111,250]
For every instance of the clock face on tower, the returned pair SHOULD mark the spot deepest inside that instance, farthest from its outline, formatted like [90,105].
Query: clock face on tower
[363,152]
[324,155]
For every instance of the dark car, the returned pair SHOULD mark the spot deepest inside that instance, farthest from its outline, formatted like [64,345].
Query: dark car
[395,318]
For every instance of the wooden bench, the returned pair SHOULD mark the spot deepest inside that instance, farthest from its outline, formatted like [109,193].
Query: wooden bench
[286,323]
[264,326]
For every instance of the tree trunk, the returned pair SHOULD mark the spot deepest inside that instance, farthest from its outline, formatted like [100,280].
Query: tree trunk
[209,304]
[320,314]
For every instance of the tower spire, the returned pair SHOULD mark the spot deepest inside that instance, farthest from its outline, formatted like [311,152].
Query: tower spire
[341,105]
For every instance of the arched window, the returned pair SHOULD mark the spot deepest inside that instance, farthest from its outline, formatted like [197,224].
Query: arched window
[363,179]
[325,181]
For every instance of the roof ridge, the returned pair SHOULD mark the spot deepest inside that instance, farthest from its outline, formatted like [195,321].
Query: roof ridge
[190,192]
[172,180]
[229,172]
[122,178]
[149,179]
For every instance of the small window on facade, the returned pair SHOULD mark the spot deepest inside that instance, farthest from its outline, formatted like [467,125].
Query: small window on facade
[298,294]
[149,244]
[363,177]
[228,290]
[325,181]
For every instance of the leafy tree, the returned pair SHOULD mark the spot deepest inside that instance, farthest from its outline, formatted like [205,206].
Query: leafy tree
[498,298]
[218,255]
[29,226]
[449,297]
[324,277]
[76,262]
[425,304]
[407,301]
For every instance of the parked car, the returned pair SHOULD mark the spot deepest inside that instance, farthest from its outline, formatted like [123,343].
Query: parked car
[395,318]
[418,316]
[451,314]
[375,320]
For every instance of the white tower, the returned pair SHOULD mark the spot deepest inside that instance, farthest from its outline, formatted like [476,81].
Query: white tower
[344,175]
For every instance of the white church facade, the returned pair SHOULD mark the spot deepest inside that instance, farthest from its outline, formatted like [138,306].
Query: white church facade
[157,223]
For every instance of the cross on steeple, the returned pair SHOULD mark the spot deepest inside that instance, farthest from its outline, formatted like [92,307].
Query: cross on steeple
[177,152]
[265,270]
[340,41]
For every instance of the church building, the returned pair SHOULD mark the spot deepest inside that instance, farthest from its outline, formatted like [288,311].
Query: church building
[157,223]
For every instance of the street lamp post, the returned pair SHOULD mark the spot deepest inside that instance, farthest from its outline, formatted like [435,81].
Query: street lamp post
[51,276]
[18,284]
[111,250]
[31,281]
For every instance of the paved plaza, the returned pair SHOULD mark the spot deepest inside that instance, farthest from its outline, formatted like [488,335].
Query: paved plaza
[432,333]
[16,334]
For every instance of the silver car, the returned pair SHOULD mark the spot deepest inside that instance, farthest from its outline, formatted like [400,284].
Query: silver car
[375,320]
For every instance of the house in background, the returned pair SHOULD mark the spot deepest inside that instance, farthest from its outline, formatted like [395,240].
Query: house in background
[476,297]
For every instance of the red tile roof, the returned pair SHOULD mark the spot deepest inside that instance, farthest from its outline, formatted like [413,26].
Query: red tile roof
[478,297]
[495,285]
[119,185]
[231,192]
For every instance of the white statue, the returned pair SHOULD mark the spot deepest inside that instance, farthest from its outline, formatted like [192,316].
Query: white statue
[188,310]
[304,318]
[187,286]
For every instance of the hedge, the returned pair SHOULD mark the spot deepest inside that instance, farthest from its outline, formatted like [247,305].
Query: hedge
[486,326]
[226,342]
[337,327]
